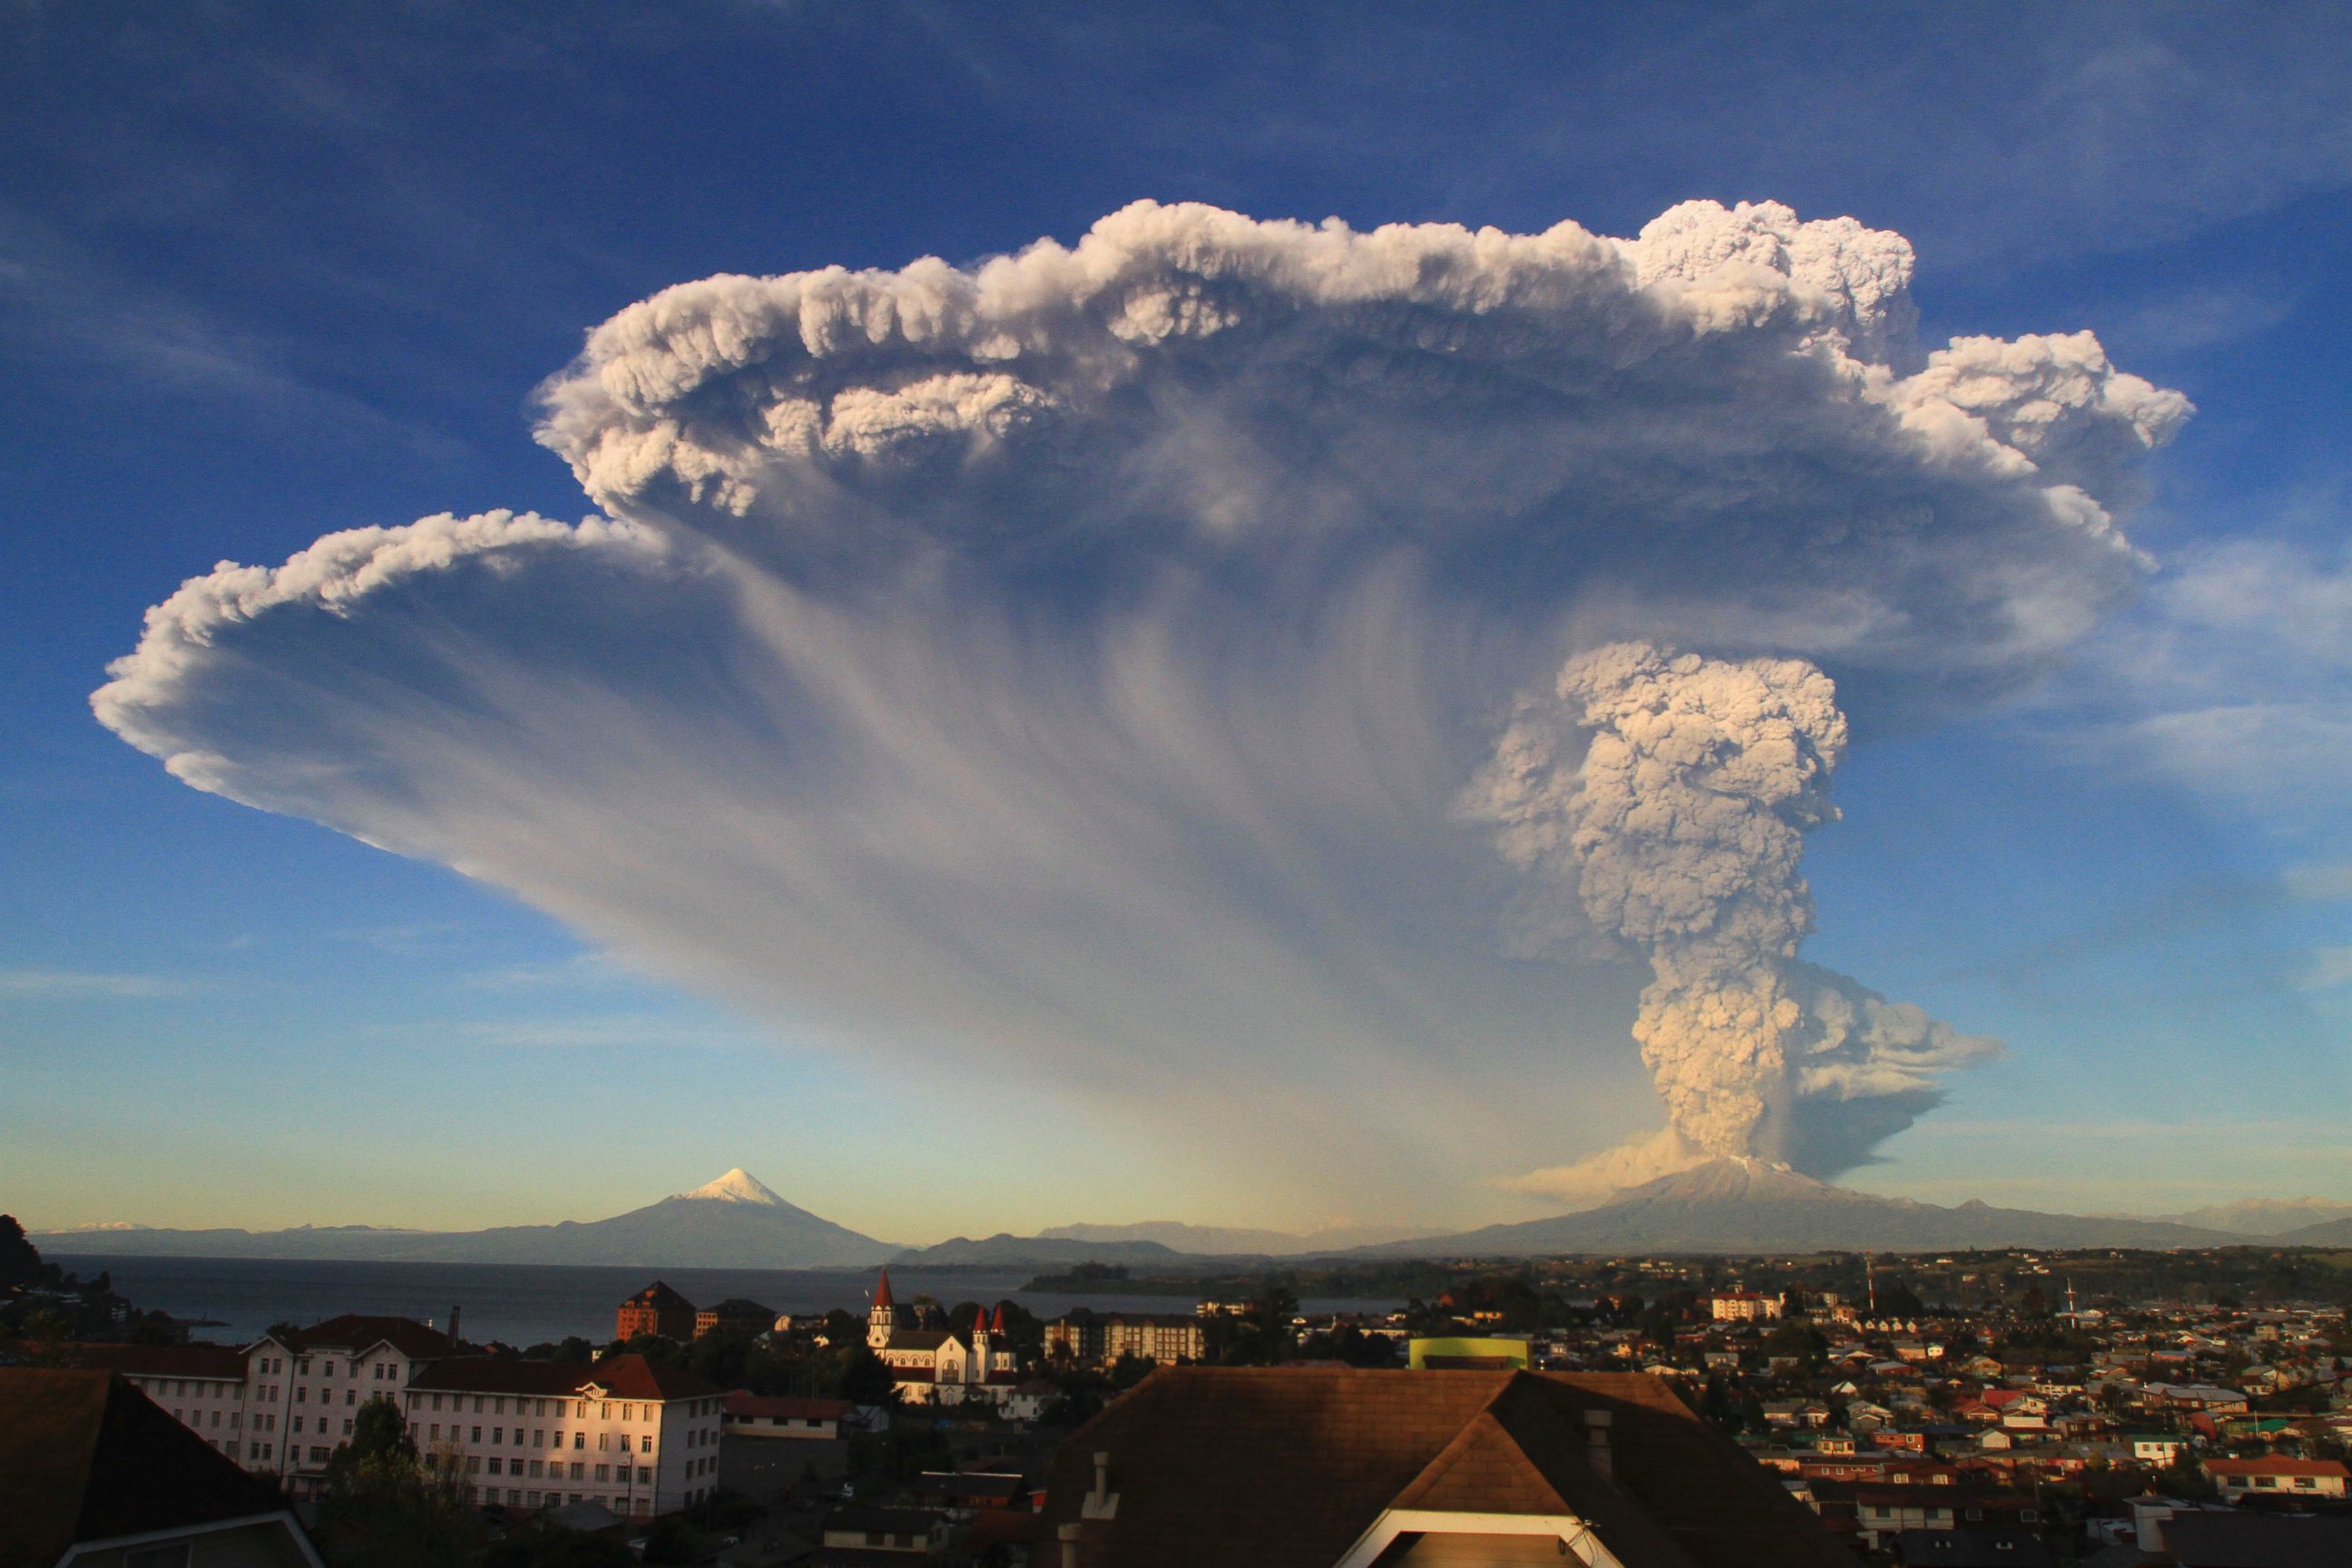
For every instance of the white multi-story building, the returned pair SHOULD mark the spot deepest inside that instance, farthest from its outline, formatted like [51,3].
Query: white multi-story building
[637,1436]
[280,1406]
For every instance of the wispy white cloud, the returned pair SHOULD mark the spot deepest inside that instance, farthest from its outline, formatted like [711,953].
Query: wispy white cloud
[69,983]
[2330,969]
[2234,678]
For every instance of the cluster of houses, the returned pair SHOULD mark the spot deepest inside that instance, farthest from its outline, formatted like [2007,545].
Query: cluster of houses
[1749,1426]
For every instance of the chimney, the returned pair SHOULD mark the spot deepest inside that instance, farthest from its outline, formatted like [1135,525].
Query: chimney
[453,1327]
[1069,1536]
[1596,1443]
[1102,1502]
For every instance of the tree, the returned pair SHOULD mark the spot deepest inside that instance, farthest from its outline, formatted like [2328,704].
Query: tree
[858,1375]
[20,1260]
[383,1506]
[1897,1299]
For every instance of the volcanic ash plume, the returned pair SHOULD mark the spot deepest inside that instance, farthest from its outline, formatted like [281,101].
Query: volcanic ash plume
[1678,827]
[1064,672]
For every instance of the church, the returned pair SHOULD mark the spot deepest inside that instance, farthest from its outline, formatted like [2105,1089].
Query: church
[940,1366]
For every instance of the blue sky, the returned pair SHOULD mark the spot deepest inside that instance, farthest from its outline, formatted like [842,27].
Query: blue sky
[266,273]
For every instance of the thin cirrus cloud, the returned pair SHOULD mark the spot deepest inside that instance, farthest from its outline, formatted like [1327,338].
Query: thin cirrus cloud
[1165,670]
[71,983]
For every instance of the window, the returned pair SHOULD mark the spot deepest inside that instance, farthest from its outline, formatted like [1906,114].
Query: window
[436,1432]
[646,1444]
[580,1439]
[474,1464]
[582,1411]
[346,1425]
[478,1405]
[537,1438]
[301,1396]
[604,1472]
[318,1454]
[494,1465]
[476,1436]
[605,1411]
[535,1467]
[579,1472]
[604,1439]
[326,1369]
[498,1434]
[436,1401]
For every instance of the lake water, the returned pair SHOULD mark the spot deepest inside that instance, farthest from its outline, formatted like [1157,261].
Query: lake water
[528,1304]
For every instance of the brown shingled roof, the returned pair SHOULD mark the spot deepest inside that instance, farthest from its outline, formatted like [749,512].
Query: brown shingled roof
[359,1330]
[84,1456]
[216,1362]
[621,1378]
[1243,1467]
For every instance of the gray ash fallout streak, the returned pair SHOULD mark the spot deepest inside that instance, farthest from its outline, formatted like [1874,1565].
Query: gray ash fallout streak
[1121,663]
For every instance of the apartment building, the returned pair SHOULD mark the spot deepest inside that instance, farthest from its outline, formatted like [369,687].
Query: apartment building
[637,1436]
[202,1387]
[303,1392]
[1097,1338]
[281,1404]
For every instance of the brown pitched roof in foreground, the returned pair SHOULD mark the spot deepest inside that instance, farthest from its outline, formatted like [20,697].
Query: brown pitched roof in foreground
[1290,1466]
[84,1456]
[621,1378]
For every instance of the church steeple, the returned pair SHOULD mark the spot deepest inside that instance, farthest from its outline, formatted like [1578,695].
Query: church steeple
[882,1318]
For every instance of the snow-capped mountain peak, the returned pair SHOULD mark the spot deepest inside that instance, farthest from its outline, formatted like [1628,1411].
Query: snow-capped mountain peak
[736,1187]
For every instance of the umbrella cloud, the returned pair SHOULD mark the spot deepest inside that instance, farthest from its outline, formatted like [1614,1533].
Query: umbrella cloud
[1227,662]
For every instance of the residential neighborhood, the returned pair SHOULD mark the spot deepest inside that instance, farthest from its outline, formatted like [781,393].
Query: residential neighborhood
[1963,1409]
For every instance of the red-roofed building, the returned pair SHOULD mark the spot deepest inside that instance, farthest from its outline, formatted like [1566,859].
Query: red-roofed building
[754,1415]
[656,1310]
[639,1437]
[940,1366]
[281,1405]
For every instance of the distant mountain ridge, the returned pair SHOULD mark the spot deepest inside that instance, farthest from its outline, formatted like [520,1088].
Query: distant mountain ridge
[735,1222]
[1731,1205]
[1004,1251]
[1741,1205]
[1227,1241]
[2263,1217]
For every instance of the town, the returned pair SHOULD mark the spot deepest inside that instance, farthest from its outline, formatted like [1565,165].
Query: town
[2025,1409]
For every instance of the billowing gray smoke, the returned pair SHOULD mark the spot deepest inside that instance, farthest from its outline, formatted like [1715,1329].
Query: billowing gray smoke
[1668,796]
[1077,668]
